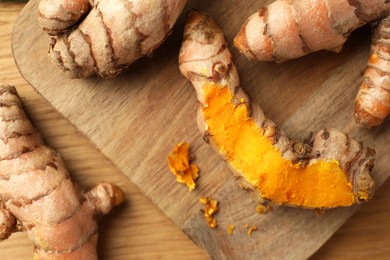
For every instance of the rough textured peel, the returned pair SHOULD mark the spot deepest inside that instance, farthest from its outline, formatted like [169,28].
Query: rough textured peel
[372,104]
[104,37]
[288,29]
[38,195]
[330,170]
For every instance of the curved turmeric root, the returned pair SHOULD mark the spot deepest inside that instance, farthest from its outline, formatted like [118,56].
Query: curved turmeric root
[36,190]
[329,171]
[372,104]
[105,38]
[288,29]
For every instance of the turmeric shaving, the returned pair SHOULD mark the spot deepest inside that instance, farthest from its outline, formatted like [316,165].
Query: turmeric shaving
[261,209]
[211,207]
[179,164]
[251,229]
[230,229]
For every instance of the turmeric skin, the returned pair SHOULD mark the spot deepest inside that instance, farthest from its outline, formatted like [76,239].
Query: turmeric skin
[249,152]
[104,37]
[330,170]
[372,103]
[285,30]
[37,194]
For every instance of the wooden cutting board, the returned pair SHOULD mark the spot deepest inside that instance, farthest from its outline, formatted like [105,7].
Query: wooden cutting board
[135,120]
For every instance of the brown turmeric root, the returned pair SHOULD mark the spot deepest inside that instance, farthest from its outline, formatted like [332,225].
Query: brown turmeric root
[372,104]
[104,37]
[288,29]
[37,194]
[331,170]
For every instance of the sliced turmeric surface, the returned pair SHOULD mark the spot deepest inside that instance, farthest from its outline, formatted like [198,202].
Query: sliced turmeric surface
[236,135]
[179,164]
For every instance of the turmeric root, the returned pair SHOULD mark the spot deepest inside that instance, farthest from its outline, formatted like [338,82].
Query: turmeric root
[372,104]
[37,194]
[288,29]
[104,37]
[329,171]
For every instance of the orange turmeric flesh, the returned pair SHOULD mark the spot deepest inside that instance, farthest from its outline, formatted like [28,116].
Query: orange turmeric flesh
[322,184]
[180,166]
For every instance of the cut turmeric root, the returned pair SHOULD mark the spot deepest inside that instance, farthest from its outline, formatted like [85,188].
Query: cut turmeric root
[331,170]
[372,104]
[38,195]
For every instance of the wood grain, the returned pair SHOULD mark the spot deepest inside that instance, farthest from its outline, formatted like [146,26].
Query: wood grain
[136,104]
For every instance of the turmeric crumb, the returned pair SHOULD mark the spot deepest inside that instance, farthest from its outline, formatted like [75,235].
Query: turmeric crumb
[203,200]
[374,58]
[230,229]
[179,164]
[246,225]
[261,209]
[211,207]
[251,229]
[363,195]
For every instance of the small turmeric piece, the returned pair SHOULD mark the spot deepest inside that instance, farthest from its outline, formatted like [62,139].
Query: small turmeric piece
[211,207]
[262,209]
[331,170]
[230,229]
[179,164]
[251,229]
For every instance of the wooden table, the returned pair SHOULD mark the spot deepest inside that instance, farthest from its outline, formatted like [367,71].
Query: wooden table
[138,230]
